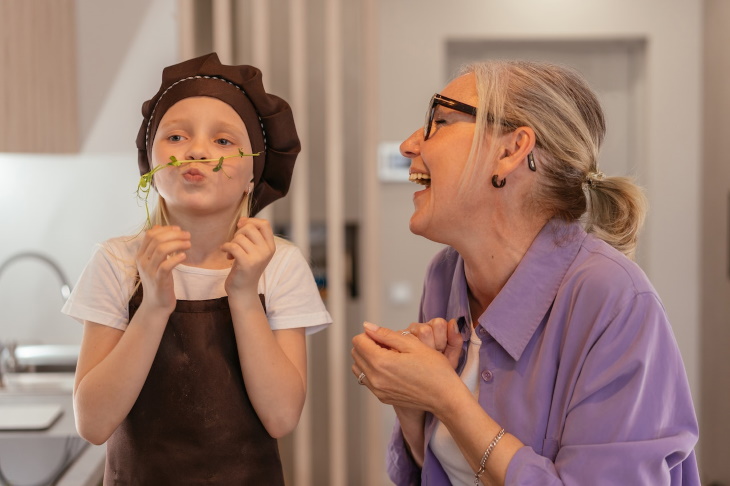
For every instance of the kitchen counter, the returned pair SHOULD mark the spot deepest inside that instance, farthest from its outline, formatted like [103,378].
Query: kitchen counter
[87,469]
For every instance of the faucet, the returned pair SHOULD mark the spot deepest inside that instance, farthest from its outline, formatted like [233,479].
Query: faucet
[65,286]
[8,359]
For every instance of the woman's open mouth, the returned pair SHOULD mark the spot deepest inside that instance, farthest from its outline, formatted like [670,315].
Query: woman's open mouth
[420,178]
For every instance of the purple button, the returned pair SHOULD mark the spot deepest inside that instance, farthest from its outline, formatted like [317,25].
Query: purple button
[487,375]
[481,331]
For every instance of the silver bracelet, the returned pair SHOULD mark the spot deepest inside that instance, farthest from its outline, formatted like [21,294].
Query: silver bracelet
[483,463]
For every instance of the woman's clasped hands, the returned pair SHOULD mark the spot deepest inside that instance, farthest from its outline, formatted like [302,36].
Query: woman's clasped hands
[399,365]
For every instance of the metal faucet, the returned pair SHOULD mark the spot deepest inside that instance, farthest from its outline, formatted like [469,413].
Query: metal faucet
[8,359]
[65,286]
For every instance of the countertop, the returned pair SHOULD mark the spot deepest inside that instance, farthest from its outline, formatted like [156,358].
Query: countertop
[88,468]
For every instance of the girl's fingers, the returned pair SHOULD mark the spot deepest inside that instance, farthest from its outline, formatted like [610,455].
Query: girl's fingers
[163,252]
[252,238]
[252,234]
[162,248]
[159,235]
[165,268]
[262,226]
[251,251]
[147,239]
[235,251]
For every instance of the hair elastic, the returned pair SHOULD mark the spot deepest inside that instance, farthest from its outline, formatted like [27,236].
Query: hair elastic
[593,177]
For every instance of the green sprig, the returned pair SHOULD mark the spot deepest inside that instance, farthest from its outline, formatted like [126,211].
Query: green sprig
[145,182]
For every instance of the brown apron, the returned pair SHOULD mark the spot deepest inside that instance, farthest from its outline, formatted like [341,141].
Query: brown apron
[193,422]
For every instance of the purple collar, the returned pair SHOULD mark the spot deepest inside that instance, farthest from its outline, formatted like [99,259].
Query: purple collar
[519,308]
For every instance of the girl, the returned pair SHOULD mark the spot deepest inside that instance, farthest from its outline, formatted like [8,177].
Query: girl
[193,358]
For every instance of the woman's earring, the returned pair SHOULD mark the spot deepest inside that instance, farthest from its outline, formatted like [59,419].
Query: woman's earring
[498,184]
[531,162]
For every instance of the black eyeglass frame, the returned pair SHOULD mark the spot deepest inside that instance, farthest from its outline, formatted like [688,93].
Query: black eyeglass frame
[438,99]
[453,104]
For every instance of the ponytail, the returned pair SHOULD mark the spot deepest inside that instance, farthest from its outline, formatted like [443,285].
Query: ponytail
[616,211]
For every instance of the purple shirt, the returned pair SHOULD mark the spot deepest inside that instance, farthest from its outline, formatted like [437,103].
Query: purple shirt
[578,361]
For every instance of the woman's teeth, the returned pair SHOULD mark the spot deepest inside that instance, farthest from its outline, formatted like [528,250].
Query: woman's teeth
[419,178]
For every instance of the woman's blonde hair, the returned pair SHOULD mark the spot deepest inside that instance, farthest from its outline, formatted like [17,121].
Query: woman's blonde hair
[556,102]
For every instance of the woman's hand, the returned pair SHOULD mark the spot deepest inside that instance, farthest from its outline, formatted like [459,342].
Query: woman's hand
[440,335]
[252,248]
[434,337]
[162,249]
[401,370]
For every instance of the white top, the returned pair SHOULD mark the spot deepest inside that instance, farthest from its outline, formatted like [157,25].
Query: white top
[103,291]
[442,443]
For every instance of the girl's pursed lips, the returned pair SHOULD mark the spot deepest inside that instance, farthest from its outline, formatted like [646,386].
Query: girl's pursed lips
[193,175]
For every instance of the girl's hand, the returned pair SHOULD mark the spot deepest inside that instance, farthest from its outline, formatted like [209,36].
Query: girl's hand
[163,248]
[403,371]
[252,248]
[440,335]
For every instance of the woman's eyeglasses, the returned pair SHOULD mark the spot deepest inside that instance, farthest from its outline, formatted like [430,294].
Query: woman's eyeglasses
[437,100]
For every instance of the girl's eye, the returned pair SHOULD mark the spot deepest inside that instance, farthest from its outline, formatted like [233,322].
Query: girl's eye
[223,141]
[174,138]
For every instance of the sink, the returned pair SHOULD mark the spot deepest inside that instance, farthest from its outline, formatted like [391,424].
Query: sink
[39,368]
[39,445]
[37,459]
[42,382]
[41,357]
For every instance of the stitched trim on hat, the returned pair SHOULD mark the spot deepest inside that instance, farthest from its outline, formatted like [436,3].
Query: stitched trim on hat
[152,113]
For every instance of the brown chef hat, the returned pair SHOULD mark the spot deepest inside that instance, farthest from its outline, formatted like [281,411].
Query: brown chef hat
[268,118]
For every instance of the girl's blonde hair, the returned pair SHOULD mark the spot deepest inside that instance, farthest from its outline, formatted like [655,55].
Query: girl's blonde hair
[556,102]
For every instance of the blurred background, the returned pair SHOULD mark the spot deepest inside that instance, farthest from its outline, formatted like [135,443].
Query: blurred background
[74,74]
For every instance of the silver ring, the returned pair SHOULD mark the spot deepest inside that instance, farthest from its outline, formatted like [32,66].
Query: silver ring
[360,378]
[405,333]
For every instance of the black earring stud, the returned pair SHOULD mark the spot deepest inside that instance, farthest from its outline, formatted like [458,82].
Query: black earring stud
[531,162]
[498,184]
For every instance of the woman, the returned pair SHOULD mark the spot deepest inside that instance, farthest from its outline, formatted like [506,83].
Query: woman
[542,354]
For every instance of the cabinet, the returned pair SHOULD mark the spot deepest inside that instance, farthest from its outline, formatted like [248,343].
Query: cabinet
[38,99]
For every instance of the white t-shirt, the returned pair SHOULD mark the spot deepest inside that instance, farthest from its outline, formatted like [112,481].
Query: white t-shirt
[103,291]
[442,443]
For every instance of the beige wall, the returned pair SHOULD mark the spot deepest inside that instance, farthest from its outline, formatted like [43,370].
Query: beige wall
[715,362]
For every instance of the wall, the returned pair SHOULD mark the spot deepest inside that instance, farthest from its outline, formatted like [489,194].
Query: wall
[715,181]
[413,37]
[63,205]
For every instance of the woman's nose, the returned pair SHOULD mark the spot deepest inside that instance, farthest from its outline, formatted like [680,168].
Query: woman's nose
[411,147]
